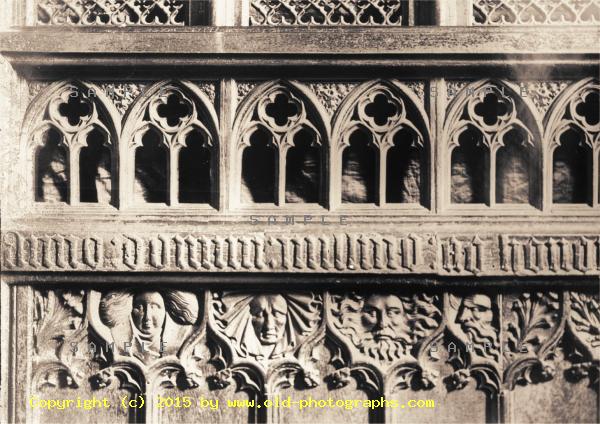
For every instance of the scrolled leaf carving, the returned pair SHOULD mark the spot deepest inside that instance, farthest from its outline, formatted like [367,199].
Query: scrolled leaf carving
[584,326]
[59,333]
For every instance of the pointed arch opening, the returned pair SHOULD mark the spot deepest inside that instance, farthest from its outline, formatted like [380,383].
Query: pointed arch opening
[151,169]
[470,170]
[572,170]
[406,170]
[359,169]
[195,169]
[259,165]
[303,169]
[95,167]
[513,170]
[51,169]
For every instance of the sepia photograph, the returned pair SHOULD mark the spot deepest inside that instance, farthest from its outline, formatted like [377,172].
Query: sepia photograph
[299,211]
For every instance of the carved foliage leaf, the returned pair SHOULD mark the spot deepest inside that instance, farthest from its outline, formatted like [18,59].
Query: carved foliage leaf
[59,336]
[533,314]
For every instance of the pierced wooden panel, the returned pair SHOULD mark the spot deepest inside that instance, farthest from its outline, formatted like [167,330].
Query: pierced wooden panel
[327,12]
[527,12]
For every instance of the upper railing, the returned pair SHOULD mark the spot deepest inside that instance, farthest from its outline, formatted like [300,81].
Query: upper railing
[306,12]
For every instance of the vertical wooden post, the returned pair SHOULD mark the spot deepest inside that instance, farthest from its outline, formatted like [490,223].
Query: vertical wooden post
[227,104]
[229,13]
[73,175]
[173,177]
[453,13]
[440,184]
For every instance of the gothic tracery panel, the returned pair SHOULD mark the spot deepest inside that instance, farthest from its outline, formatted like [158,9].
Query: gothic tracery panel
[72,137]
[527,12]
[171,134]
[281,146]
[327,12]
[119,12]
[382,137]
[495,147]
[572,138]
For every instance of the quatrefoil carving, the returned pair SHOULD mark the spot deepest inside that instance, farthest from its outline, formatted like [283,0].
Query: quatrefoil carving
[171,111]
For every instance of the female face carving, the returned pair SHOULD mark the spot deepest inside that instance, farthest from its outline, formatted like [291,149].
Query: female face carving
[269,316]
[148,312]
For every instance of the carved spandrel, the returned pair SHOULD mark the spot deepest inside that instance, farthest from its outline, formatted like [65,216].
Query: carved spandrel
[264,339]
[59,338]
[384,327]
[473,322]
[583,324]
[265,326]
[533,326]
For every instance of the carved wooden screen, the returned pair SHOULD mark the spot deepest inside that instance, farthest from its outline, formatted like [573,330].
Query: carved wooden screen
[300,211]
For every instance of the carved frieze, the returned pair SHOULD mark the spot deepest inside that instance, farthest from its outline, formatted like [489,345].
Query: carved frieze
[268,340]
[550,255]
[322,252]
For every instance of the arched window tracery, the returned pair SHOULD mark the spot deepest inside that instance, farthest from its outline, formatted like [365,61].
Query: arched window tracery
[382,146]
[280,140]
[573,140]
[171,146]
[71,133]
[494,147]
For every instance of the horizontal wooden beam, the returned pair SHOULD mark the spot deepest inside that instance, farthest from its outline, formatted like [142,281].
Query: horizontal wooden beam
[356,41]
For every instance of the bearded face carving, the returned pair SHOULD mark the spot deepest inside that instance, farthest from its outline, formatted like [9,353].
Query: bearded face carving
[377,325]
[476,318]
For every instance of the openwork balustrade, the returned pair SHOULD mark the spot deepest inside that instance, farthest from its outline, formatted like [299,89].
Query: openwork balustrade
[518,145]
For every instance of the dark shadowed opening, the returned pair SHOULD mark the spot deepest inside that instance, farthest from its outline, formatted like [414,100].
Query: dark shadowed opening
[258,169]
[359,167]
[572,170]
[302,172]
[151,161]
[194,170]
[95,170]
[405,164]
[470,170]
[513,182]
[51,169]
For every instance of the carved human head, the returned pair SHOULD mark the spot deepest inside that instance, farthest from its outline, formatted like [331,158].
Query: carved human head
[148,312]
[269,317]
[382,316]
[476,309]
